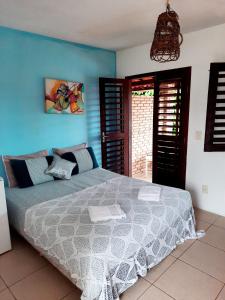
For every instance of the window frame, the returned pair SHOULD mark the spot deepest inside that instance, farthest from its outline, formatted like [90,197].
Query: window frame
[209,146]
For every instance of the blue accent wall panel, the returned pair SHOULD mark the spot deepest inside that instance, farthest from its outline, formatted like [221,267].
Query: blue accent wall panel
[25,60]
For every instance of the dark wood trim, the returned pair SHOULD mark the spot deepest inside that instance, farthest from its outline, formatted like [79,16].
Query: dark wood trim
[129,92]
[209,146]
[102,119]
[107,110]
[186,96]
[185,75]
[155,73]
[155,133]
[127,125]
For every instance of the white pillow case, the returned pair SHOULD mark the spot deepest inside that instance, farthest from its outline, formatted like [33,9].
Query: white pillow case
[60,168]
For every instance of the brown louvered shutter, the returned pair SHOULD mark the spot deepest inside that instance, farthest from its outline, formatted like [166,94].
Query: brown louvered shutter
[115,110]
[215,119]
[170,127]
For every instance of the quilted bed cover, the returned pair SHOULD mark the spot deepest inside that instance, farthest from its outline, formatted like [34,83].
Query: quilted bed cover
[104,259]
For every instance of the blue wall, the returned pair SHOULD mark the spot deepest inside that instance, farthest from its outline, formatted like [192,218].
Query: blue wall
[25,60]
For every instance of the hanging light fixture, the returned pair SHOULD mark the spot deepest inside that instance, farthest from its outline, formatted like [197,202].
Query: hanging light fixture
[167,37]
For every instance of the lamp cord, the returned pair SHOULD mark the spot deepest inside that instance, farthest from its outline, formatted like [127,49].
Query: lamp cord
[167,5]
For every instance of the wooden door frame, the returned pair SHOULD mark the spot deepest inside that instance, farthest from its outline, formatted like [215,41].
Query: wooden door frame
[186,71]
[128,114]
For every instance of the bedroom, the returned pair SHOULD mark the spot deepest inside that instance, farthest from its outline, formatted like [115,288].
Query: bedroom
[49,45]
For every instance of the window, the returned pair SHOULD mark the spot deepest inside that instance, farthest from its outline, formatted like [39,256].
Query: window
[215,119]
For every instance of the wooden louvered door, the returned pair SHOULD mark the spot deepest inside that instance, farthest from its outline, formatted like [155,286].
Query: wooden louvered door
[170,126]
[115,97]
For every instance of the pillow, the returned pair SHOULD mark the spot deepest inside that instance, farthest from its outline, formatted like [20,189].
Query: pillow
[85,160]
[12,182]
[31,171]
[60,151]
[60,168]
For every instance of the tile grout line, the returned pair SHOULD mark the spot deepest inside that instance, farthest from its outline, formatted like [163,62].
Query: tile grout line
[4,283]
[14,297]
[221,227]
[164,292]
[217,217]
[178,258]
[200,271]
[66,295]
[206,243]
[201,220]
[205,221]
[10,286]
[185,249]
[152,283]
[206,233]
[10,292]
[219,292]
[144,290]
[200,240]
[163,271]
[209,227]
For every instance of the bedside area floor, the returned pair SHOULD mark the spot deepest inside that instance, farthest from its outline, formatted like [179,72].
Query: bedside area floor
[194,271]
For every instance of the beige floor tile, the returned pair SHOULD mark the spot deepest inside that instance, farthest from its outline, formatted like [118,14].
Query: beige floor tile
[156,272]
[136,290]
[202,225]
[220,222]
[2,285]
[75,295]
[17,264]
[215,236]
[6,295]
[153,293]
[205,216]
[221,295]
[184,282]
[207,259]
[182,247]
[45,284]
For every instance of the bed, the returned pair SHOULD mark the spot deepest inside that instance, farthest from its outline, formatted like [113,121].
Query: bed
[102,259]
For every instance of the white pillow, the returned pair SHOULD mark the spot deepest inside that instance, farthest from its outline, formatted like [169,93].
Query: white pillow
[60,168]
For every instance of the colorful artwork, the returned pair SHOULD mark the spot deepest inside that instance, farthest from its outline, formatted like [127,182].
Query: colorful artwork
[64,97]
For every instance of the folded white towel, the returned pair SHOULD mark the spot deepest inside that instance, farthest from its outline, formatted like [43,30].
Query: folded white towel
[149,193]
[105,213]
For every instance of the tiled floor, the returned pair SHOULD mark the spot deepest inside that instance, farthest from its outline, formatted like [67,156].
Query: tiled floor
[194,271]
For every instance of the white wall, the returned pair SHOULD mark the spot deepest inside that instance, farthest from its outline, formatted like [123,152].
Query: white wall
[198,50]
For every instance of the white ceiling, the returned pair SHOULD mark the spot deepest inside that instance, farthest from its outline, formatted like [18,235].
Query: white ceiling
[112,24]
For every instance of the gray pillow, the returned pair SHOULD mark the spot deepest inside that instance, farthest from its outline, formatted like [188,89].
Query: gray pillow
[60,168]
[84,160]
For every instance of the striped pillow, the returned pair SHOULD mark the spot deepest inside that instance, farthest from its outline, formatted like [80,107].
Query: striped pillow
[31,171]
[12,182]
[85,160]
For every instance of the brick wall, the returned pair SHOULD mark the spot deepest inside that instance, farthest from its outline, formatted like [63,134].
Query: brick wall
[142,127]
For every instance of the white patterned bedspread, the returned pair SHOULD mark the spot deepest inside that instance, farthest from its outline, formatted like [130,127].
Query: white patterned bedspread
[105,258]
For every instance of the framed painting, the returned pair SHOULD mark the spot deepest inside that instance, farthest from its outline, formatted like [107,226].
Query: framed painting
[64,97]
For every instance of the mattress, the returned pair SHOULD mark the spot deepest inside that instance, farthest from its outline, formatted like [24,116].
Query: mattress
[105,259]
[19,200]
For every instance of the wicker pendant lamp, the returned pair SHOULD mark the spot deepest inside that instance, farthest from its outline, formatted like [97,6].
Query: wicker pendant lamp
[167,37]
